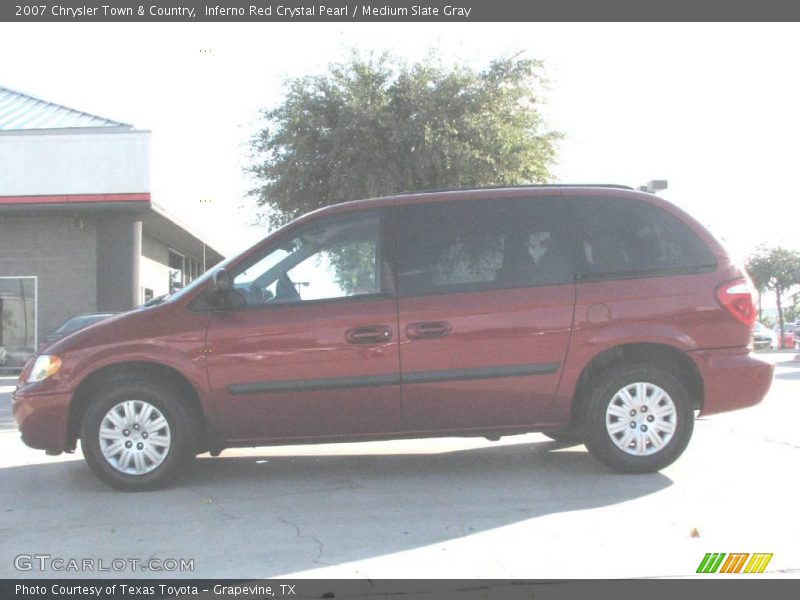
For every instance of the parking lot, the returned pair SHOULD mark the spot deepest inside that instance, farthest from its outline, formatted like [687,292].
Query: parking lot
[524,507]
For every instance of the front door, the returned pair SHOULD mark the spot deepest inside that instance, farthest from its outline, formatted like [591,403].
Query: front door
[308,346]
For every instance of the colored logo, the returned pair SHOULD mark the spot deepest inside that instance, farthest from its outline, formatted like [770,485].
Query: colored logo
[741,562]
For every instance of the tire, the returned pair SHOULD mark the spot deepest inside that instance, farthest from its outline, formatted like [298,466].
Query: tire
[663,415]
[155,425]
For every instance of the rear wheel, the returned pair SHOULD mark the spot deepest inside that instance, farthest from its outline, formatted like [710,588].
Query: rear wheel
[137,437]
[638,418]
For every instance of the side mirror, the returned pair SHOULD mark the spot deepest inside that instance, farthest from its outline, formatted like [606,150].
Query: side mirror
[221,281]
[219,292]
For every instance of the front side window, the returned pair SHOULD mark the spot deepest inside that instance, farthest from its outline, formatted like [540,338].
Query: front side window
[336,257]
[465,246]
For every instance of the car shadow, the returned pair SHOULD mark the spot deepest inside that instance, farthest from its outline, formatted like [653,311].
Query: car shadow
[268,514]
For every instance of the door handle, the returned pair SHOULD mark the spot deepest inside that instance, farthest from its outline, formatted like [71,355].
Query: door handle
[427,330]
[372,334]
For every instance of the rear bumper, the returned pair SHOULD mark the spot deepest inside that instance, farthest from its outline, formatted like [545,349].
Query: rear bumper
[43,419]
[732,379]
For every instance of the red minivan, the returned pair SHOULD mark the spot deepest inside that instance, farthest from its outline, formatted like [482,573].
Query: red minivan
[595,314]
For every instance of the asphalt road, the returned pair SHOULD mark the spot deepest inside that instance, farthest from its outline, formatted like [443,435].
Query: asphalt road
[523,507]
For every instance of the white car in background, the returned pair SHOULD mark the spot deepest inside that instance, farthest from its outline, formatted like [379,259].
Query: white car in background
[763,337]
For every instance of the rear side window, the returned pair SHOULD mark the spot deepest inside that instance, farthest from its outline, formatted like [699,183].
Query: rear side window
[463,246]
[621,238]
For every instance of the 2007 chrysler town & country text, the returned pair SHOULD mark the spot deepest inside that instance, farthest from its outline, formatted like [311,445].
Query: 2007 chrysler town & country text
[595,312]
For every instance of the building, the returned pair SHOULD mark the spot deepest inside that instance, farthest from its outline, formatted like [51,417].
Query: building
[79,231]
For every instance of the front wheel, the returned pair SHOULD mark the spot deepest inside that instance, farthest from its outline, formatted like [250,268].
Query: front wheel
[638,418]
[137,437]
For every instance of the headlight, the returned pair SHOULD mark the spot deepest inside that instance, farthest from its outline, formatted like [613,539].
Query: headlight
[44,367]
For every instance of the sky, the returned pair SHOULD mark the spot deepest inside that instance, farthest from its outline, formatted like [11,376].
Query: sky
[712,108]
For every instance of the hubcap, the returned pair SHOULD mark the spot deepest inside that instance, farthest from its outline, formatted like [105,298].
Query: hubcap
[641,418]
[134,437]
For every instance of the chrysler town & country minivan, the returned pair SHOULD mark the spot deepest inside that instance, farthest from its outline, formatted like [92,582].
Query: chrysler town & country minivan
[596,314]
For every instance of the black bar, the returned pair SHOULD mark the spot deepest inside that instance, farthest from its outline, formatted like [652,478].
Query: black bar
[407,589]
[267,11]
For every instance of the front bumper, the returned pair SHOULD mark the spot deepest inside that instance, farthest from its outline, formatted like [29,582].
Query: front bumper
[732,379]
[43,419]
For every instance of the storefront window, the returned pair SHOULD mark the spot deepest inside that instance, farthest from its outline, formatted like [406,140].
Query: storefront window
[177,271]
[17,321]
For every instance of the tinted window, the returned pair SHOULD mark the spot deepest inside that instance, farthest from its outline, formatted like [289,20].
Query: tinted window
[629,238]
[335,257]
[462,246]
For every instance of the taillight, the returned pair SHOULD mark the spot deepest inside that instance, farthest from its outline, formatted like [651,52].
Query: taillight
[738,298]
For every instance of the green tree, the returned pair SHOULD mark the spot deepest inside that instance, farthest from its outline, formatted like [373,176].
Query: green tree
[776,270]
[377,126]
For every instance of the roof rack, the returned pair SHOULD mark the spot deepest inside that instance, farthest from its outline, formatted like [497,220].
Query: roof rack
[523,186]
